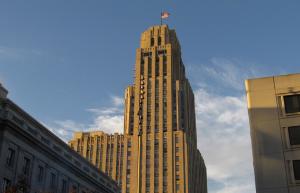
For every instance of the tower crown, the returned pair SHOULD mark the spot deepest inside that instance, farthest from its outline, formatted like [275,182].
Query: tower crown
[159,35]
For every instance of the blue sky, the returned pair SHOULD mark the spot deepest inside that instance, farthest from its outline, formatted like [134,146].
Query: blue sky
[67,63]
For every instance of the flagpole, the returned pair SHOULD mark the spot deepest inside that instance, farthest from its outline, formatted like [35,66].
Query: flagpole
[161,18]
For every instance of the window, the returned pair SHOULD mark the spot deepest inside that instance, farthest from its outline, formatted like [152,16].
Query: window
[6,184]
[177,187]
[294,135]
[52,181]
[10,157]
[74,189]
[142,68]
[150,67]
[26,166]
[156,187]
[152,41]
[296,167]
[64,186]
[129,143]
[292,103]
[40,173]
[157,67]
[164,65]
[148,187]
[159,41]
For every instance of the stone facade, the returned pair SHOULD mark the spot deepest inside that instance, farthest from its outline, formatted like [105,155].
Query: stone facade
[159,143]
[32,159]
[274,113]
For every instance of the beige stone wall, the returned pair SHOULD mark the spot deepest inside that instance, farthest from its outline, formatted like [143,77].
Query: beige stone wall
[272,153]
[159,118]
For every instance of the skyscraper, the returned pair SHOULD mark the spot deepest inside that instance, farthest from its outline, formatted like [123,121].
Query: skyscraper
[159,142]
[274,113]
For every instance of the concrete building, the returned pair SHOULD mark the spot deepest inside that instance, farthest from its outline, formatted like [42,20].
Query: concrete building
[34,160]
[160,146]
[274,113]
[105,151]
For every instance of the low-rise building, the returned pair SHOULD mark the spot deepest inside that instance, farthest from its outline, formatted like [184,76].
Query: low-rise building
[33,159]
[274,113]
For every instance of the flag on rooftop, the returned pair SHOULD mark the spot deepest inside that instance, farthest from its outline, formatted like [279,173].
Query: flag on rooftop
[165,15]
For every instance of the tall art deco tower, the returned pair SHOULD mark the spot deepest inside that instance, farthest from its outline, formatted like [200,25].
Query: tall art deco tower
[158,150]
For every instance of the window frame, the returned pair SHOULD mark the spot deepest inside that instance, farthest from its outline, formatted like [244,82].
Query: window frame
[26,165]
[282,106]
[40,173]
[10,159]
[288,139]
[4,184]
[295,181]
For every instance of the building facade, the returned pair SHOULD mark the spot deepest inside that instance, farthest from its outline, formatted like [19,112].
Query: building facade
[105,151]
[33,160]
[274,113]
[160,146]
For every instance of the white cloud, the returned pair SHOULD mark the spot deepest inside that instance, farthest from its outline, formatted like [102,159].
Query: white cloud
[223,134]
[108,119]
[223,129]
[108,123]
[105,110]
[221,75]
[65,129]
[237,188]
[117,101]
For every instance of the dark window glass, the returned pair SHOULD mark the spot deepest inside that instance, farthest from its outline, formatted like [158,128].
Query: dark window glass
[74,189]
[6,184]
[10,157]
[296,166]
[26,166]
[41,173]
[150,67]
[157,67]
[64,186]
[165,65]
[159,41]
[142,68]
[129,143]
[177,187]
[152,41]
[53,178]
[294,135]
[292,103]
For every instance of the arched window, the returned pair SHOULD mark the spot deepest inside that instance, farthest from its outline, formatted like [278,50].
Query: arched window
[159,41]
[152,41]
